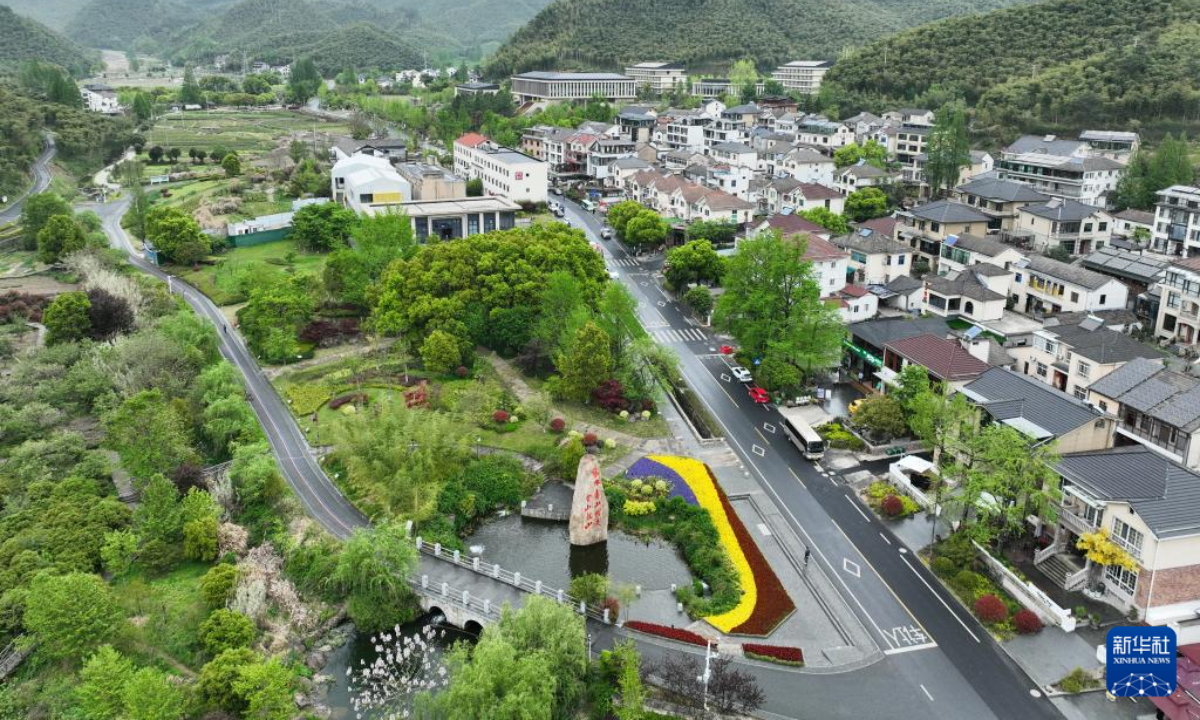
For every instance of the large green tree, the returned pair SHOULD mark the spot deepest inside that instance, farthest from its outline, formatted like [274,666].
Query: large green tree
[176,234]
[67,317]
[190,92]
[149,434]
[772,304]
[586,362]
[70,615]
[693,262]
[949,149]
[100,693]
[60,236]
[304,80]
[323,227]
[37,211]
[371,571]
[866,204]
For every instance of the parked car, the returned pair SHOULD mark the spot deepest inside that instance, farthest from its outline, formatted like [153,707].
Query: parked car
[556,190]
[728,350]
[613,274]
[741,374]
[760,396]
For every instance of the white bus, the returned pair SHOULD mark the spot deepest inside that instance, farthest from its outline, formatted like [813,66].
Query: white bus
[801,434]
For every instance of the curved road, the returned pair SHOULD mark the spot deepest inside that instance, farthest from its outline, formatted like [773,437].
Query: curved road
[41,181]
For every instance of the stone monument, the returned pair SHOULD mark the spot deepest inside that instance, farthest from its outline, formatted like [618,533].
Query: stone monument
[589,505]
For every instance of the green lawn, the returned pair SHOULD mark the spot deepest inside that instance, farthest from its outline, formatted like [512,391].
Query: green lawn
[248,131]
[217,280]
[167,610]
[11,260]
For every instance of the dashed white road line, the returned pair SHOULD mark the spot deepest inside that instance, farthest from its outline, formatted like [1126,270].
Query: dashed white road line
[856,507]
[926,691]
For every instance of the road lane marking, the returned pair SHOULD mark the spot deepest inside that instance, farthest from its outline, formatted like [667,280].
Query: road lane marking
[769,428]
[943,602]
[793,472]
[852,567]
[726,378]
[856,507]
[758,451]
[900,602]
[927,694]
[910,648]
[889,542]
[764,437]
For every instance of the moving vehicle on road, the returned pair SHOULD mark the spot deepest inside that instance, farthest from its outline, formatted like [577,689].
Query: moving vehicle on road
[797,429]
[760,396]
[606,233]
[728,349]
[741,374]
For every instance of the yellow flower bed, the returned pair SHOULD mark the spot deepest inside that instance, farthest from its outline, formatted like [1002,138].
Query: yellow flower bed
[697,476]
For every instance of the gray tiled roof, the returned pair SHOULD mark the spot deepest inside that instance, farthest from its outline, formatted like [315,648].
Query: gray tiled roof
[1061,210]
[872,243]
[1004,190]
[1006,395]
[1164,494]
[1101,345]
[1038,143]
[980,244]
[964,285]
[880,332]
[949,211]
[1148,387]
[1071,273]
[904,284]
[1130,266]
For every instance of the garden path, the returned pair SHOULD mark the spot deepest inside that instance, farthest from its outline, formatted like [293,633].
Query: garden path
[275,371]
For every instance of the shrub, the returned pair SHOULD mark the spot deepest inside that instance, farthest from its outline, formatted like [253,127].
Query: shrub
[839,437]
[307,398]
[972,583]
[638,507]
[1077,681]
[216,586]
[610,395]
[613,606]
[892,506]
[558,424]
[774,653]
[991,609]
[1027,622]
[226,630]
[462,371]
[943,567]
[671,633]
[591,588]
[500,416]
[590,439]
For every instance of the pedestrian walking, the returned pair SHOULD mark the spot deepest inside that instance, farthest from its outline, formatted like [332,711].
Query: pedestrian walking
[807,555]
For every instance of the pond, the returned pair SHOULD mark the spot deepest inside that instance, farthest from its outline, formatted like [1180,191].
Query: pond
[542,551]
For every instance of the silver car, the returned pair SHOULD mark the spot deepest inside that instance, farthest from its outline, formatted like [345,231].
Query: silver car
[741,374]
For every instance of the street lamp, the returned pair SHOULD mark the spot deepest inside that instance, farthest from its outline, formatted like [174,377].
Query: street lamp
[589,645]
[707,671]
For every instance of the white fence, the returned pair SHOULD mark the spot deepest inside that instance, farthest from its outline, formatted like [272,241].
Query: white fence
[1027,593]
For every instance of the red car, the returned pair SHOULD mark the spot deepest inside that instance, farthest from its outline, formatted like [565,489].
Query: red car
[728,350]
[759,395]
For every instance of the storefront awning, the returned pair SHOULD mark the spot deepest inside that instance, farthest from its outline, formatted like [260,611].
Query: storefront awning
[859,352]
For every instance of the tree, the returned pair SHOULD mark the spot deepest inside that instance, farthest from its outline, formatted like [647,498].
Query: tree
[645,230]
[150,695]
[827,219]
[71,614]
[226,630]
[100,692]
[586,363]
[866,204]
[198,155]
[304,81]
[323,227]
[231,165]
[307,179]
[149,435]
[475,187]
[256,85]
[729,690]
[1148,173]
[882,414]
[218,677]
[621,213]
[717,232]
[1018,479]
[143,110]
[274,314]
[633,693]
[297,150]
[108,315]
[371,571]
[66,317]
[742,73]
[772,304]
[870,151]
[267,690]
[692,262]
[190,93]
[37,211]
[949,149]
[60,236]
[441,352]
[1103,552]
[216,586]
[118,551]
[700,300]
[174,154]
[347,277]
[176,234]
[383,238]
[156,154]
[562,311]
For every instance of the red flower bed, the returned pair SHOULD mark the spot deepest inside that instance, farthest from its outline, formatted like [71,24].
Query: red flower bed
[357,397]
[774,604]
[892,506]
[671,633]
[775,652]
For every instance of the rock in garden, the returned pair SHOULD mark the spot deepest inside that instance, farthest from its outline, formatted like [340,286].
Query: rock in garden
[589,505]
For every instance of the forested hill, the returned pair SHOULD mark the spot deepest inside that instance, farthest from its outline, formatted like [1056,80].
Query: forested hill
[1061,64]
[607,34]
[23,39]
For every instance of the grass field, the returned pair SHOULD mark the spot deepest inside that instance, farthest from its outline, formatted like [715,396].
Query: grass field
[244,131]
[169,609]
[218,280]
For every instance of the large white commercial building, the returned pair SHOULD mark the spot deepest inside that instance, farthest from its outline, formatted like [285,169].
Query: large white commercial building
[542,86]
[802,76]
[503,171]
[659,77]
[361,181]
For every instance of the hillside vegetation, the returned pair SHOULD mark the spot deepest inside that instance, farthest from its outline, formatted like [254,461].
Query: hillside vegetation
[22,39]
[612,33]
[1061,64]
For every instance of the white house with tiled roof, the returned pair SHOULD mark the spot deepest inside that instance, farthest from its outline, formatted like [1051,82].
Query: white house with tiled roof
[1042,286]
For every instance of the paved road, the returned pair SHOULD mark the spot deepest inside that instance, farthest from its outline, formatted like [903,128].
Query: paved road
[936,653]
[41,181]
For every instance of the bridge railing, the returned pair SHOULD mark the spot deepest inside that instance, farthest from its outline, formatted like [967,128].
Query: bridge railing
[509,577]
[450,596]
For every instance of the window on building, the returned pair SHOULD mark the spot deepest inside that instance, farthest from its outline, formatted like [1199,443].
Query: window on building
[1103,406]
[1119,577]
[1127,537]
[1041,369]
[1074,296]
[1103,299]
[1081,392]
[899,259]
[1085,370]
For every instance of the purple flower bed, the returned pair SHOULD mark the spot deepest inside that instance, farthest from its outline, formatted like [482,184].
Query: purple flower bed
[647,468]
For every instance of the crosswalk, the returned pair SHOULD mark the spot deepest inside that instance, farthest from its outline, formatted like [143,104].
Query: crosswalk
[675,336]
[626,262]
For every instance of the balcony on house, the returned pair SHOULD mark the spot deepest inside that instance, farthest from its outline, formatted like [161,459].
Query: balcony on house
[1154,431]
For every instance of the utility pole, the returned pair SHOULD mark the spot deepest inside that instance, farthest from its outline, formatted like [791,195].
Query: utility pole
[707,672]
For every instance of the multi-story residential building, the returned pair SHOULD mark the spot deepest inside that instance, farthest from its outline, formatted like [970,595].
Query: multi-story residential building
[637,124]
[394,149]
[543,86]
[789,225]
[100,99]
[1061,168]
[808,166]
[1136,226]
[904,143]
[658,77]
[735,153]
[1177,221]
[864,125]
[1039,411]
[960,252]
[1042,286]
[856,303]
[859,176]
[1178,318]
[829,264]
[946,361]
[1057,223]
[685,130]
[1072,357]
[802,76]
[823,133]
[926,226]
[998,199]
[790,195]
[732,125]
[1152,406]
[910,117]
[1116,145]
[875,258]
[503,171]
[975,294]
[1150,507]
[605,151]
[716,88]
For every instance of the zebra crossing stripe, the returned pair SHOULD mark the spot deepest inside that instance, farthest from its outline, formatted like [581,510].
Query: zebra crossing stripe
[685,335]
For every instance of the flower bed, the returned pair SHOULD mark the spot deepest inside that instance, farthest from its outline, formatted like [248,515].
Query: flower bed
[764,602]
[671,633]
[647,468]
[774,653]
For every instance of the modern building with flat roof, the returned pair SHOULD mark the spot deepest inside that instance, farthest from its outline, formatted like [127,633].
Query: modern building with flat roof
[659,77]
[503,171]
[802,76]
[542,86]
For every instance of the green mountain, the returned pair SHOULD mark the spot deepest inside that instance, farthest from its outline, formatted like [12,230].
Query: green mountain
[136,24]
[1061,64]
[607,34]
[54,14]
[23,39]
